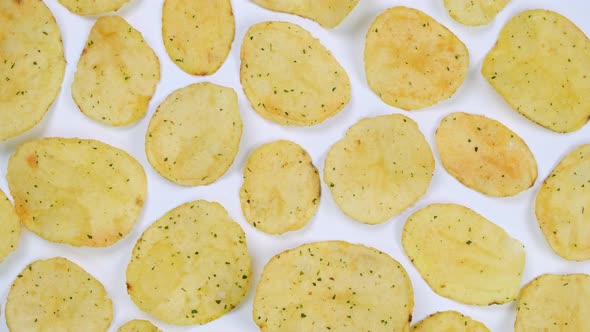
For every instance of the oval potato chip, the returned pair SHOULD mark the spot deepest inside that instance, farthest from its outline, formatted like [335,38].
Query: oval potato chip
[328,13]
[191,266]
[32,64]
[539,65]
[194,135]
[381,167]
[10,227]
[474,12]
[76,191]
[449,321]
[485,155]
[57,295]
[138,325]
[463,256]
[92,7]
[336,286]
[411,60]
[198,33]
[289,77]
[117,73]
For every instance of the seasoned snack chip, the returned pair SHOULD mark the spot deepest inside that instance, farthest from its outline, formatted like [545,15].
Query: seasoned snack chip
[449,321]
[92,7]
[328,13]
[10,227]
[474,12]
[138,325]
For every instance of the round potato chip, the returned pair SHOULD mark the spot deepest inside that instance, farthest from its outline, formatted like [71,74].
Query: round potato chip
[76,191]
[57,295]
[554,303]
[10,227]
[412,61]
[335,286]
[485,155]
[561,203]
[381,167]
[32,64]
[450,321]
[138,325]
[290,77]
[328,13]
[463,256]
[117,73]
[475,12]
[191,266]
[281,189]
[539,65]
[198,33]
[194,135]
[92,7]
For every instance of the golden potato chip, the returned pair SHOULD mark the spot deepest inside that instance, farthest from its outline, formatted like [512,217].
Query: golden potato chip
[281,189]
[335,286]
[76,191]
[485,155]
[138,325]
[92,7]
[198,33]
[381,167]
[474,12]
[117,73]
[449,321]
[195,134]
[10,227]
[463,256]
[289,77]
[57,295]
[554,302]
[328,13]
[32,64]
[539,65]
[412,61]
[191,266]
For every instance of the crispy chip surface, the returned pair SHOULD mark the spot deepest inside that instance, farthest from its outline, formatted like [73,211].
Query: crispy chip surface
[92,7]
[138,325]
[328,13]
[449,321]
[10,227]
[474,12]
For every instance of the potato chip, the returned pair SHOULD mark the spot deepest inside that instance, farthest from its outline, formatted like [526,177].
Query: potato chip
[191,266]
[463,256]
[449,321]
[32,64]
[554,302]
[539,65]
[138,325]
[290,77]
[92,7]
[412,61]
[195,134]
[381,167]
[485,155]
[57,295]
[336,286]
[198,33]
[328,13]
[10,227]
[117,73]
[474,12]
[561,203]
[281,189]
[76,191]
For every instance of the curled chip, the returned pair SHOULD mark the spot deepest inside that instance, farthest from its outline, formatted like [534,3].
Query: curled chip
[474,12]
[485,155]
[117,73]
[281,189]
[463,256]
[381,167]
[76,191]
[138,325]
[335,286]
[328,13]
[191,266]
[32,64]
[195,134]
[449,321]
[411,60]
[10,227]
[198,33]
[92,7]
[57,295]
[554,302]
[289,77]
[539,65]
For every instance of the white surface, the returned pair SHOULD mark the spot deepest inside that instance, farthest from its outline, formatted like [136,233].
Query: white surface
[346,42]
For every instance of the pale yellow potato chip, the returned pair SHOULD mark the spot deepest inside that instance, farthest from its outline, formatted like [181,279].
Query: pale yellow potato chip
[561,203]
[381,167]
[485,155]
[92,7]
[539,65]
[328,13]
[554,302]
[191,266]
[336,286]
[117,73]
[289,77]
[281,189]
[474,12]
[138,325]
[10,227]
[449,321]
[463,256]
[57,295]
[32,64]
[194,135]
[412,61]
[198,34]
[76,191]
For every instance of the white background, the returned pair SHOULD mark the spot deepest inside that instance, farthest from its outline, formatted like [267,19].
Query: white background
[516,214]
